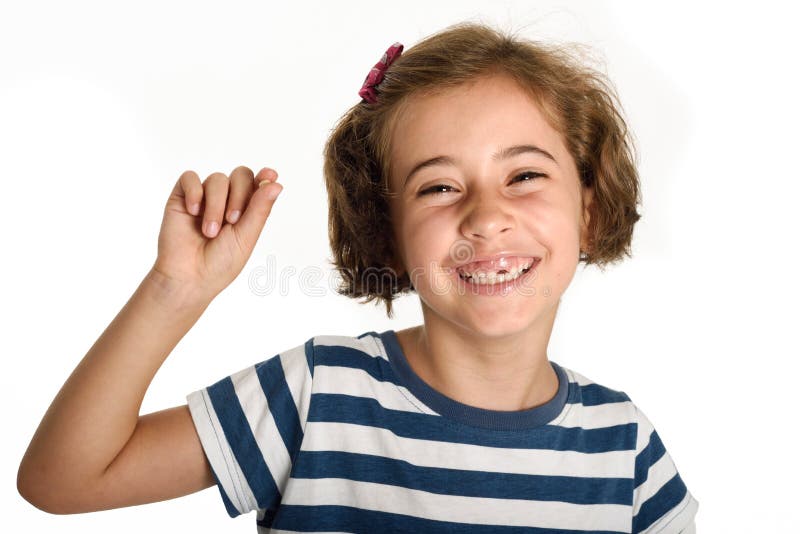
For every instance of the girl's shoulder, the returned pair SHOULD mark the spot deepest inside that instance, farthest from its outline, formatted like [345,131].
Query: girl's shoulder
[590,392]
[338,349]
[595,407]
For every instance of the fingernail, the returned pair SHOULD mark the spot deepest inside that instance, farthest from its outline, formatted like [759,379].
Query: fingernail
[235,216]
[194,209]
[212,228]
[270,173]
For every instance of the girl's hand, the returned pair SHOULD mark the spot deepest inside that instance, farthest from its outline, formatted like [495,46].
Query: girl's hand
[204,243]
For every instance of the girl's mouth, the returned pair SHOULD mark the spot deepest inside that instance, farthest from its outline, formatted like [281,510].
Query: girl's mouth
[499,282]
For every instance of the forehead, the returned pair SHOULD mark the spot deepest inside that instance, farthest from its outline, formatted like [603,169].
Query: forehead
[473,120]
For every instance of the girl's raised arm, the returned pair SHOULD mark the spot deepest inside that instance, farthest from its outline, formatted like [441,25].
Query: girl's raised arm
[92,450]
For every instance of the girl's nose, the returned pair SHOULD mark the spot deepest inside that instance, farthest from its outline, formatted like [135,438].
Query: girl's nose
[486,220]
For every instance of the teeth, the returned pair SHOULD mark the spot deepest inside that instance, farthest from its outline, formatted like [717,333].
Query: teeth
[493,278]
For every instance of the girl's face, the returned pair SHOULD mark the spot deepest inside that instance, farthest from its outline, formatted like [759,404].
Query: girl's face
[475,201]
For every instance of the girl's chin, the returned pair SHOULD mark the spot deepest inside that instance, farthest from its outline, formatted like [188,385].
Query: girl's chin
[486,333]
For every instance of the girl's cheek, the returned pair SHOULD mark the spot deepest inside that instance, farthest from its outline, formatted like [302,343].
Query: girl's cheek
[426,221]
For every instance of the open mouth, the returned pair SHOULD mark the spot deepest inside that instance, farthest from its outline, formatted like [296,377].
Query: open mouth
[500,276]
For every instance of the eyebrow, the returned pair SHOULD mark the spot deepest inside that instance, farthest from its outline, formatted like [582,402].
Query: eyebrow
[505,153]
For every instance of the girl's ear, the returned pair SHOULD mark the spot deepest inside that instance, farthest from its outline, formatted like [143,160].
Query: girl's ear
[587,196]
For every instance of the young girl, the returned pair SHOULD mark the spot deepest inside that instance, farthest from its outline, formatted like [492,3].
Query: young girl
[477,171]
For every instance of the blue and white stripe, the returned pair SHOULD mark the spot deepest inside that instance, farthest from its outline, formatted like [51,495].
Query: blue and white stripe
[334,436]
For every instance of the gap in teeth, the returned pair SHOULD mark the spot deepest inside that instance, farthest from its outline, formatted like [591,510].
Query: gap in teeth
[500,276]
[499,272]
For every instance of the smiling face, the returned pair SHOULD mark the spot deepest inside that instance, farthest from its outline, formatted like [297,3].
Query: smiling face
[481,197]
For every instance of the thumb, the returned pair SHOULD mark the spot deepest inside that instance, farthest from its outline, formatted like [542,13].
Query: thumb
[251,224]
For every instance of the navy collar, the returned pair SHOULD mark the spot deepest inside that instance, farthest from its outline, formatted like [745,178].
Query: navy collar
[471,415]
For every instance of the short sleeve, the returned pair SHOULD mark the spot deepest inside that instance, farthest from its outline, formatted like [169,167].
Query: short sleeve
[251,426]
[661,501]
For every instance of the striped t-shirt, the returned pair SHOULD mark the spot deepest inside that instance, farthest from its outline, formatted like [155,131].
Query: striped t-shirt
[340,435]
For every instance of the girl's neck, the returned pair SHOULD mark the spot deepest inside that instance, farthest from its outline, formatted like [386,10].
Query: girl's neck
[508,374]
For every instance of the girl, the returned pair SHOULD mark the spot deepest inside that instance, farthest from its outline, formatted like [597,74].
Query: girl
[477,171]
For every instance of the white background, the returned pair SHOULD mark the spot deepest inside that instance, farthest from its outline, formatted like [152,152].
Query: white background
[103,106]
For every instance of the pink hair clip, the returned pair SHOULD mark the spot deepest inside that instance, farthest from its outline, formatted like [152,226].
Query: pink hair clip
[375,76]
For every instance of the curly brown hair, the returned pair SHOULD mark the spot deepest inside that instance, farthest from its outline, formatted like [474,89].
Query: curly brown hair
[577,100]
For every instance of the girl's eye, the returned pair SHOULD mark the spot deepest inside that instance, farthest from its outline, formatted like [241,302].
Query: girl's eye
[533,176]
[433,190]
[440,189]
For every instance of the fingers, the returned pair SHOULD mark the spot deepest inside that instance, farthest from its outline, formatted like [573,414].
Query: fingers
[239,193]
[216,197]
[191,190]
[222,198]
[259,208]
[265,175]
